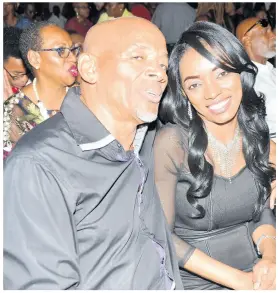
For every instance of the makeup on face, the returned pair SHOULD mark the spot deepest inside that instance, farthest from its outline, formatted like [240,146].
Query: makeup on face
[214,92]
[58,51]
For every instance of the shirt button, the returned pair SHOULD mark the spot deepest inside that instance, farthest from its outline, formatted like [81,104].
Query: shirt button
[119,146]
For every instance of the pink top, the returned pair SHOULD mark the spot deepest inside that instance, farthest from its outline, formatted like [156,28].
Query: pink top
[80,28]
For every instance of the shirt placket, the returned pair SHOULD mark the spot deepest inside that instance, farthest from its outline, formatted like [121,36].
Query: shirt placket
[169,282]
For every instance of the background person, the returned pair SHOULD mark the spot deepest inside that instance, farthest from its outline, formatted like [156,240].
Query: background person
[80,23]
[57,18]
[259,42]
[15,72]
[114,10]
[49,54]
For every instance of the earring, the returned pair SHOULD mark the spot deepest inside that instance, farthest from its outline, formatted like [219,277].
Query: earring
[189,110]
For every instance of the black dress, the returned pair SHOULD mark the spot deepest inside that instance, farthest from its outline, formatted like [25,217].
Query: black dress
[225,233]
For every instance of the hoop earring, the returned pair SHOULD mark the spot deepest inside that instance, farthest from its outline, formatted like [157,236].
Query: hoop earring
[189,110]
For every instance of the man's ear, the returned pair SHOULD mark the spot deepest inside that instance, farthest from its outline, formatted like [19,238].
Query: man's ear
[87,67]
[246,41]
[34,59]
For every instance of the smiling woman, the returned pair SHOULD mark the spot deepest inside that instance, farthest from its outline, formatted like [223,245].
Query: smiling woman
[50,55]
[215,163]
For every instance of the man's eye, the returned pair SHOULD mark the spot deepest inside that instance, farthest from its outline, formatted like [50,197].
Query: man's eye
[137,57]
[164,67]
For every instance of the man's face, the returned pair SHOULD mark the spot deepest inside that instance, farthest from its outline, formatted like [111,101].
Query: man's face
[16,72]
[263,41]
[133,74]
[7,8]
[30,11]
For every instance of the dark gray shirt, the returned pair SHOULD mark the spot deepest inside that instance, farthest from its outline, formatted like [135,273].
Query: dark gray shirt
[80,212]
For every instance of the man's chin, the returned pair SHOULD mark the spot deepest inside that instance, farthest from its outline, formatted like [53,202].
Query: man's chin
[146,117]
[271,54]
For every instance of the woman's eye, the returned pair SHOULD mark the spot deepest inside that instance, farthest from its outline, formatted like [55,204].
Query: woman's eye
[61,50]
[193,86]
[223,73]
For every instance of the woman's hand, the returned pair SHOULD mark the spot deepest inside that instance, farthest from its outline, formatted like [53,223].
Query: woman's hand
[264,275]
[245,281]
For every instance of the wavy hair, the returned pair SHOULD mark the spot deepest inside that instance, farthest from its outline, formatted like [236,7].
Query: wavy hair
[229,55]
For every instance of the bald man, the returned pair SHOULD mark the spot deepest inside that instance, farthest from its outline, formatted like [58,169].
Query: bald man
[81,210]
[260,44]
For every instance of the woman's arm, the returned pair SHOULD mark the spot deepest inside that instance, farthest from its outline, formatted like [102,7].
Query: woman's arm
[211,269]
[264,236]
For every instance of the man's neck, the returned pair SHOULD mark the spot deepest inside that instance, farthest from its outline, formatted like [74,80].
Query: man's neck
[258,59]
[123,130]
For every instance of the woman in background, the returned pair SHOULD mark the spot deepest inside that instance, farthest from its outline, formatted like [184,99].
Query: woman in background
[80,23]
[49,54]
[114,10]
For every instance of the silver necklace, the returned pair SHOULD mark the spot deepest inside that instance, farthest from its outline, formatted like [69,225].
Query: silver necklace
[40,104]
[225,154]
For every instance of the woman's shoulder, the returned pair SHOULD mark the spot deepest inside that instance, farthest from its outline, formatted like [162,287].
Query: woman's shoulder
[171,129]
[172,135]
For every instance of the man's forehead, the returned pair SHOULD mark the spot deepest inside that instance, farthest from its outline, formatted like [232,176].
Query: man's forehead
[145,46]
[124,33]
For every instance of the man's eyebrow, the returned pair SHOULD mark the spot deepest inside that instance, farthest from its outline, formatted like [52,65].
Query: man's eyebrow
[142,46]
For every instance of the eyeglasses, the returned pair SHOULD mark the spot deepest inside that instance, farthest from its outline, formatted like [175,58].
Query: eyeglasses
[19,76]
[63,51]
[261,22]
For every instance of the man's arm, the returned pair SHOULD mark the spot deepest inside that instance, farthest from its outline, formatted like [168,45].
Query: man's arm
[39,242]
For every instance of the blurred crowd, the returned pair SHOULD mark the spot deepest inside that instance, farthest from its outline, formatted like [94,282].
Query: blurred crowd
[75,19]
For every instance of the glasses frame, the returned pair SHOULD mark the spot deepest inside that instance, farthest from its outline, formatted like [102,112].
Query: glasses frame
[19,76]
[59,53]
[261,22]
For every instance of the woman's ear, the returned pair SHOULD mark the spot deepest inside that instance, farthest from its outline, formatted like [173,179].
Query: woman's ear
[87,67]
[34,59]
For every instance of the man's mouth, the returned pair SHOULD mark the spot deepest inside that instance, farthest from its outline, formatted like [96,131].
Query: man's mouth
[153,95]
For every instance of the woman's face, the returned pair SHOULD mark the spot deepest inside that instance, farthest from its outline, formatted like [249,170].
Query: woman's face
[63,70]
[214,93]
[114,9]
[83,9]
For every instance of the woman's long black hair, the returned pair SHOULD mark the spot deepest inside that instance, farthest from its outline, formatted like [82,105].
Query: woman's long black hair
[229,55]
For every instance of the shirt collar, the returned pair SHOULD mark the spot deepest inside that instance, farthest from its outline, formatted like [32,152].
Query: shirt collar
[86,129]
[267,66]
